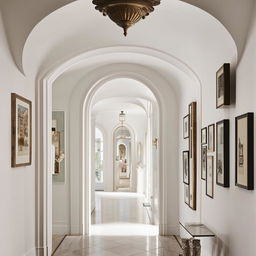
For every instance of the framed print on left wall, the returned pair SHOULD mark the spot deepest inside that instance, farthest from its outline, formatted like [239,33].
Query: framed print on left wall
[21,131]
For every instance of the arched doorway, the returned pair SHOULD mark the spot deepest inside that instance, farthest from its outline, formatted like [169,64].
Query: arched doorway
[166,100]
[123,172]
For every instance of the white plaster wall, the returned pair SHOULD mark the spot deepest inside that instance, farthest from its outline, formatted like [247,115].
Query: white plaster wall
[17,185]
[231,214]
[61,190]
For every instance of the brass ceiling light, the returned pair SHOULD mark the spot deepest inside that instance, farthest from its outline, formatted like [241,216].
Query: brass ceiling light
[126,13]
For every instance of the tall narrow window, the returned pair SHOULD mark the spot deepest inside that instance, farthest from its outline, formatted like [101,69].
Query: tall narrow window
[98,156]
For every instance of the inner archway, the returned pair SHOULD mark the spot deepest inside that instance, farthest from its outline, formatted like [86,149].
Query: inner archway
[127,167]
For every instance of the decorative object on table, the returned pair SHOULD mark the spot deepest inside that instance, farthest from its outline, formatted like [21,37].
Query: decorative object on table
[211,138]
[185,247]
[195,247]
[222,153]
[185,158]
[21,131]
[126,13]
[203,162]
[245,151]
[223,86]
[209,176]
[192,154]
[58,141]
[186,127]
[186,194]
[204,135]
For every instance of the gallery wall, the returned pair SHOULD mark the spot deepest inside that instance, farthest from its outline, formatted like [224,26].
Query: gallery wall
[231,214]
[17,185]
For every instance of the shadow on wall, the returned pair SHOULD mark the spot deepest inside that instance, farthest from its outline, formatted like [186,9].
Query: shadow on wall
[219,248]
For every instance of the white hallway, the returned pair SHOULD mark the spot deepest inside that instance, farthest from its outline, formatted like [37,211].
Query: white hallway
[67,48]
[120,226]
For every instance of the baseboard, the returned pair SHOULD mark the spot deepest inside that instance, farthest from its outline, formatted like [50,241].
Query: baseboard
[31,252]
[60,228]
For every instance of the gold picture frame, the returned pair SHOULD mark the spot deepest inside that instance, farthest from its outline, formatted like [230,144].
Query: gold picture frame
[21,118]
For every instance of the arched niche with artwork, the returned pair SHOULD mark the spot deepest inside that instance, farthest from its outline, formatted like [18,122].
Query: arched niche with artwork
[122,159]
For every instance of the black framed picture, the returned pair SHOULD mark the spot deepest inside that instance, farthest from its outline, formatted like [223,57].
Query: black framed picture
[223,86]
[204,135]
[203,162]
[186,194]
[211,138]
[185,157]
[245,151]
[186,127]
[209,176]
[222,153]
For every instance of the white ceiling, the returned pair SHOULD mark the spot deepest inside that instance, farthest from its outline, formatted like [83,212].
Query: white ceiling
[59,20]
[124,94]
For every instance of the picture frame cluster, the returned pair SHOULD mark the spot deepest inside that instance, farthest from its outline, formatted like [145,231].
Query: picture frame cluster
[215,146]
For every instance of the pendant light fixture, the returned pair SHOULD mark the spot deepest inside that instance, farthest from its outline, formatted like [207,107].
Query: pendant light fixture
[126,13]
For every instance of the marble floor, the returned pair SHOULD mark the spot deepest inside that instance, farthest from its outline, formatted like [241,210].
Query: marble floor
[120,226]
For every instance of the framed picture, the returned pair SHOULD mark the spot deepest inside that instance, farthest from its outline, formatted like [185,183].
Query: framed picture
[223,86]
[245,151]
[192,154]
[186,194]
[203,162]
[211,138]
[186,127]
[204,135]
[222,153]
[21,131]
[209,176]
[185,157]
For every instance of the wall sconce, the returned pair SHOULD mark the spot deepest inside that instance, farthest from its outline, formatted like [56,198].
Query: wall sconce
[155,142]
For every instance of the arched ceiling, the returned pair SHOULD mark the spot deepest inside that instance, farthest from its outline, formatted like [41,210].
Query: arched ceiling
[73,28]
[124,94]
[235,15]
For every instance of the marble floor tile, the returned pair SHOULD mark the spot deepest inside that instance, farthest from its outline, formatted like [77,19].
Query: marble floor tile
[120,227]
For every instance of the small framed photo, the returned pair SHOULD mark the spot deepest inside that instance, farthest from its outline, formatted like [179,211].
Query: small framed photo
[209,176]
[186,194]
[211,138]
[222,153]
[185,157]
[204,135]
[223,86]
[203,162]
[21,131]
[186,127]
[245,151]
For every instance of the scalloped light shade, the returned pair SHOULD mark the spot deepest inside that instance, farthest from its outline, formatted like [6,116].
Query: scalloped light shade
[126,13]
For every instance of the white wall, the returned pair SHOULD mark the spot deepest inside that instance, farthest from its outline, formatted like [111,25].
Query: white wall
[232,212]
[17,185]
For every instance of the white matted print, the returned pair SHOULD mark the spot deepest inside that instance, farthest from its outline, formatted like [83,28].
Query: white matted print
[244,151]
[209,176]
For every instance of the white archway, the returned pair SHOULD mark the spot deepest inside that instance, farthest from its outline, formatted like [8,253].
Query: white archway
[158,86]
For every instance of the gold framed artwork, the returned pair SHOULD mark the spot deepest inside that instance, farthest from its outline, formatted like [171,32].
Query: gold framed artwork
[192,154]
[21,112]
